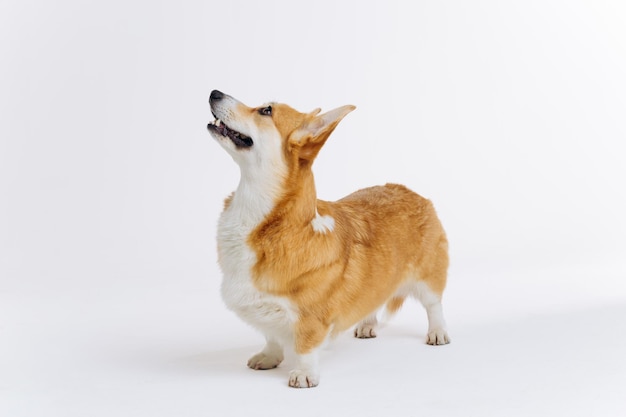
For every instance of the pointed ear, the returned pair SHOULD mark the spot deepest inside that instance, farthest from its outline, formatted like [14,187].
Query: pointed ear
[312,134]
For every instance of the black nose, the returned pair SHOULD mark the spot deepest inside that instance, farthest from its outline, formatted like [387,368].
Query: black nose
[216,95]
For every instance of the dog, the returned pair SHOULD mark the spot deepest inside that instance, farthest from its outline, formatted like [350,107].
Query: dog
[300,269]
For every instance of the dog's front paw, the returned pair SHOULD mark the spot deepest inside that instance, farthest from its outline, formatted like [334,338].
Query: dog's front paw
[303,379]
[438,337]
[264,361]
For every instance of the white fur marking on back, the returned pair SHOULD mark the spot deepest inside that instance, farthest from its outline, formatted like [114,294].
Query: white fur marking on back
[323,224]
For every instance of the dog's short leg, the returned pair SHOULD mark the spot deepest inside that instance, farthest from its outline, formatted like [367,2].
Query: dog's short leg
[270,357]
[437,334]
[310,334]
[306,374]
[367,328]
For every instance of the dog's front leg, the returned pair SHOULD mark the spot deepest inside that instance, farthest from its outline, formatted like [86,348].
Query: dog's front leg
[306,374]
[310,335]
[270,357]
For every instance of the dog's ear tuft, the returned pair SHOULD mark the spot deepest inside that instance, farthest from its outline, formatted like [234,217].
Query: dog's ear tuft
[312,134]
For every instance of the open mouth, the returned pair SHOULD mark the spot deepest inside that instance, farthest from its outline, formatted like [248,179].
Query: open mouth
[239,139]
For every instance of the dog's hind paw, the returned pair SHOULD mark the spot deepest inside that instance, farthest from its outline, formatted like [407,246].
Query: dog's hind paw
[264,361]
[303,379]
[438,337]
[365,331]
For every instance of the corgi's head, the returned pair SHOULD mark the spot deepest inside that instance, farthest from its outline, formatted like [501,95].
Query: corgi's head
[271,139]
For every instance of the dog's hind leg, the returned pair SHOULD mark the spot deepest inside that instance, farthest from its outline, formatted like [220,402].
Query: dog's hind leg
[367,327]
[270,357]
[437,333]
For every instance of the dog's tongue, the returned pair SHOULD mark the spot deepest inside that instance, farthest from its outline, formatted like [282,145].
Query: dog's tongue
[222,129]
[239,139]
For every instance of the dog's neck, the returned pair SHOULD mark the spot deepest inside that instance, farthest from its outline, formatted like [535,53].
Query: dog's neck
[291,197]
[300,197]
[257,194]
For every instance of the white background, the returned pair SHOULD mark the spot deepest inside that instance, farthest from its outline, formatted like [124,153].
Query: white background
[510,116]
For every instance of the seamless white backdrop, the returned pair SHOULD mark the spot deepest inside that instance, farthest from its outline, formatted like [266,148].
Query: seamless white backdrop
[510,116]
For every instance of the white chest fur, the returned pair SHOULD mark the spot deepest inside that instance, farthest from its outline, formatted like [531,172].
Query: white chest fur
[274,316]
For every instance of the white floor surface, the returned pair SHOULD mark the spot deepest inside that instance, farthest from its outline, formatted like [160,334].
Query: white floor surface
[520,348]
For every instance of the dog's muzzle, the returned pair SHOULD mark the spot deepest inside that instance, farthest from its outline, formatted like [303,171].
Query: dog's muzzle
[219,128]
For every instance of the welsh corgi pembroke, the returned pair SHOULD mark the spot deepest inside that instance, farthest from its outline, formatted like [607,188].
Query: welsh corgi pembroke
[300,269]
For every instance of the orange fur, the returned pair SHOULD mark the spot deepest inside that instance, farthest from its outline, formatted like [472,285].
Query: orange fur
[382,235]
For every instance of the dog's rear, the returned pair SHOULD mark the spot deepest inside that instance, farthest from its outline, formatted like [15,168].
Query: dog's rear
[301,269]
[405,246]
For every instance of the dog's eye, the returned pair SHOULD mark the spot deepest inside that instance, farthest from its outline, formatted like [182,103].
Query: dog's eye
[266,111]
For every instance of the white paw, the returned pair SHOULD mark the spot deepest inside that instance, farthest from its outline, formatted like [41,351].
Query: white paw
[264,361]
[303,379]
[365,331]
[438,337]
